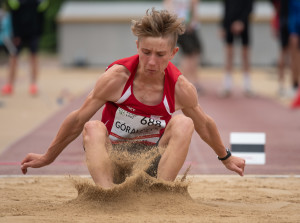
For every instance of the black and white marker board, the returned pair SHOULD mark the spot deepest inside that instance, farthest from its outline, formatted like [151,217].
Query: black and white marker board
[250,146]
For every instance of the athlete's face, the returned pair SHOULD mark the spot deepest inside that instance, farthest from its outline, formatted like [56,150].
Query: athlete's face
[155,54]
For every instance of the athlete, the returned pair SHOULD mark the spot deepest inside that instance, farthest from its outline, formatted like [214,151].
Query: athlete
[27,25]
[294,41]
[281,32]
[139,94]
[236,25]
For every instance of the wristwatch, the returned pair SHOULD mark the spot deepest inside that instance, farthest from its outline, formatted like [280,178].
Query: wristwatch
[227,156]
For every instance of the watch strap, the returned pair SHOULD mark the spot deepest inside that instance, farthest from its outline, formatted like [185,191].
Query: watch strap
[225,157]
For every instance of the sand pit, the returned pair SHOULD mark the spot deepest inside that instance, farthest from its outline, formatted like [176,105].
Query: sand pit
[142,199]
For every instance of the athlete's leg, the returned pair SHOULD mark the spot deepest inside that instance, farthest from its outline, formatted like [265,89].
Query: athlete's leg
[96,144]
[33,89]
[295,58]
[189,65]
[246,59]
[190,60]
[284,56]
[13,60]
[175,141]
[34,46]
[227,82]
[229,58]
[246,70]
[34,67]
[7,89]
[282,64]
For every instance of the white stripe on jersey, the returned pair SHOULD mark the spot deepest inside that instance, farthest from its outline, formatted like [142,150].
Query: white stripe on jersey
[167,105]
[125,96]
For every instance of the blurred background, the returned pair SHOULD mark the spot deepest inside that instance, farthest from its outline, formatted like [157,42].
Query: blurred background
[82,31]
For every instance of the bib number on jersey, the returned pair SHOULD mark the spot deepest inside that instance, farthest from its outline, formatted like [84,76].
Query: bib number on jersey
[129,126]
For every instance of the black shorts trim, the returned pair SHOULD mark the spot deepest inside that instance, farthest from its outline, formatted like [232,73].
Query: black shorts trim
[32,43]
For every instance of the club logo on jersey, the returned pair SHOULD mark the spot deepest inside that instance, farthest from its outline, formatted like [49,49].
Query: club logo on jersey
[156,117]
[130,108]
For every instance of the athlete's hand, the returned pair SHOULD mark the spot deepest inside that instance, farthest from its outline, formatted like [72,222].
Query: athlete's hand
[33,160]
[235,164]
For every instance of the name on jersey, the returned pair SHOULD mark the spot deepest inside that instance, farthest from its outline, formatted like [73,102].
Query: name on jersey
[147,122]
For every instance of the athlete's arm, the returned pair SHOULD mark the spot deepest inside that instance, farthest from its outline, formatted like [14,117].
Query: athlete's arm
[109,87]
[186,99]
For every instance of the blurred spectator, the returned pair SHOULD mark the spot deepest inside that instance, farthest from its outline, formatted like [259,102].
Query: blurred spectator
[27,20]
[280,29]
[6,33]
[189,42]
[294,29]
[235,24]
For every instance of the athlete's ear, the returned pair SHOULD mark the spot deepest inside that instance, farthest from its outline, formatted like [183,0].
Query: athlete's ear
[137,44]
[174,51]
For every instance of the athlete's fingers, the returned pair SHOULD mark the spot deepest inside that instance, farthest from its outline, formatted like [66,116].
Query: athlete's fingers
[27,162]
[242,166]
[26,159]
[239,171]
[235,164]
[23,164]
[24,168]
[238,168]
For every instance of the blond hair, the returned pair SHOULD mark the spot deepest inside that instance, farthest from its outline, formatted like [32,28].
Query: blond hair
[158,24]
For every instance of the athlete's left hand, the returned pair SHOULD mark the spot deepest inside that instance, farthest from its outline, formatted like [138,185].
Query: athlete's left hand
[236,164]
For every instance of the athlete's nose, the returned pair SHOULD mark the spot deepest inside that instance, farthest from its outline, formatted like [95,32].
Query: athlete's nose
[152,60]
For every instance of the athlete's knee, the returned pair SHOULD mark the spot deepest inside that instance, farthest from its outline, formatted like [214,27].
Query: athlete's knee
[182,125]
[94,129]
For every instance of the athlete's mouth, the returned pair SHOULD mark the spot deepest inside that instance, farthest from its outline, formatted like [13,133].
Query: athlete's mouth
[151,70]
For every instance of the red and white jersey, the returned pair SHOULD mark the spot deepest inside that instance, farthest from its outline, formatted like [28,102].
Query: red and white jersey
[129,120]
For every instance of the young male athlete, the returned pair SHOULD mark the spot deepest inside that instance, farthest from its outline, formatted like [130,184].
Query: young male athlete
[140,93]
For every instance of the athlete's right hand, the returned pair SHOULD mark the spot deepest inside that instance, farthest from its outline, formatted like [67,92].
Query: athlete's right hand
[33,160]
[236,164]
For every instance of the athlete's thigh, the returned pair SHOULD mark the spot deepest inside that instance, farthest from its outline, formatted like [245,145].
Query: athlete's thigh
[173,125]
